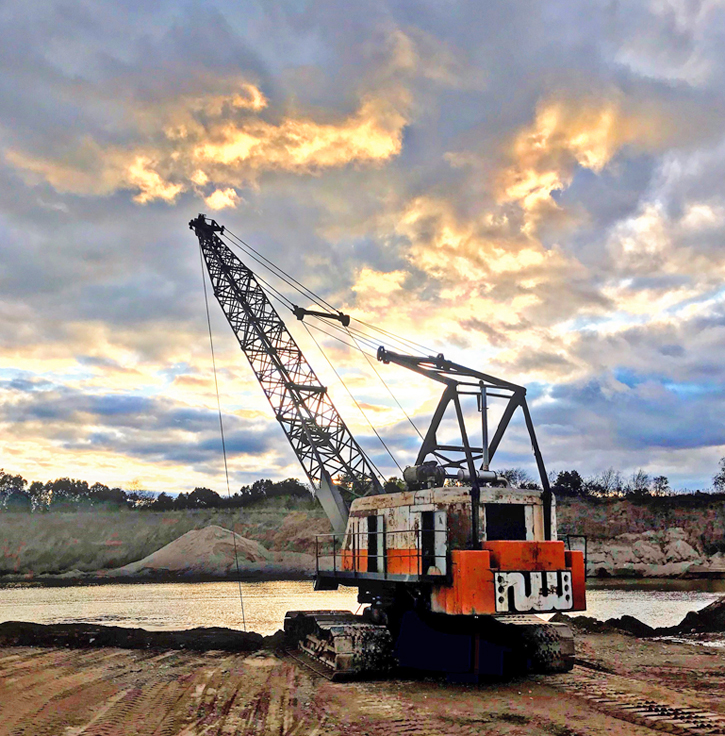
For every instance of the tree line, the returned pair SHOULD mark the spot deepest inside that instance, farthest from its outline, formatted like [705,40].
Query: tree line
[612,483]
[69,494]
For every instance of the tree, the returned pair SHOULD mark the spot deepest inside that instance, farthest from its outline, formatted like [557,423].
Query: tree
[394,485]
[102,496]
[163,502]
[661,486]
[10,486]
[66,494]
[19,501]
[639,485]
[289,487]
[718,480]
[517,477]
[203,498]
[352,486]
[38,496]
[140,499]
[608,483]
[569,483]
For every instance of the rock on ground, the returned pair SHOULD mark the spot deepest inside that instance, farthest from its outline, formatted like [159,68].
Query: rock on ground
[665,553]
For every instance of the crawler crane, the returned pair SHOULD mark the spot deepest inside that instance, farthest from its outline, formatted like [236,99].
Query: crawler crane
[456,567]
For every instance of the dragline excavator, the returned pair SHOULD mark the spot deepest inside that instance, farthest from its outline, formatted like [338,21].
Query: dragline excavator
[457,566]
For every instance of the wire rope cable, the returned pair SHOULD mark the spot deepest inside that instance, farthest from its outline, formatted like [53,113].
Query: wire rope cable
[360,409]
[399,338]
[281,299]
[316,298]
[280,296]
[282,273]
[334,337]
[221,432]
[382,380]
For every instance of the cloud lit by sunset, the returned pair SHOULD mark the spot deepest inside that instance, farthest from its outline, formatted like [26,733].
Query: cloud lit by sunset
[550,212]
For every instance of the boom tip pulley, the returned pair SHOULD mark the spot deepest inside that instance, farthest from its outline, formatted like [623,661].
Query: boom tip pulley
[202,223]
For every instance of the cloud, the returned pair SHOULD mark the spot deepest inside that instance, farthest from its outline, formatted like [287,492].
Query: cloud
[554,215]
[221,199]
[225,135]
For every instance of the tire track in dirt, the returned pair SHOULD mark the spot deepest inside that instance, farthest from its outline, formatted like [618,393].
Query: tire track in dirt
[383,713]
[40,698]
[73,693]
[157,701]
[621,697]
[71,690]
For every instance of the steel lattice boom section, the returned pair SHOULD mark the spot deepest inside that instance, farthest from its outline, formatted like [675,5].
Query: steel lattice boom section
[317,433]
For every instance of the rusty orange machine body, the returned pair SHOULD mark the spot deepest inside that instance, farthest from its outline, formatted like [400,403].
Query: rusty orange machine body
[421,539]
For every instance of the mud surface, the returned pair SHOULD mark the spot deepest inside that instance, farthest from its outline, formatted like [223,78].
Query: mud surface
[21,633]
[105,691]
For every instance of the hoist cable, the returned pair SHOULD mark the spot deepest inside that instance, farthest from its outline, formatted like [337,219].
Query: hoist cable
[221,432]
[282,273]
[394,336]
[329,334]
[278,297]
[282,298]
[360,409]
[372,344]
[264,265]
[316,298]
[382,380]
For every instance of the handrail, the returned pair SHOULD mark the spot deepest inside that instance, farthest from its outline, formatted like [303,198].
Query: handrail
[359,556]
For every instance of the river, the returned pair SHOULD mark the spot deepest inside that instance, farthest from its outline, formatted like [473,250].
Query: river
[171,606]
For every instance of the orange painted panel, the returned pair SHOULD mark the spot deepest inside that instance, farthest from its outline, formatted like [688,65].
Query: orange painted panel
[403,561]
[357,561]
[346,563]
[471,591]
[575,561]
[509,555]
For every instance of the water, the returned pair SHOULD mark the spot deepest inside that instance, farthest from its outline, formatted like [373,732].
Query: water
[158,606]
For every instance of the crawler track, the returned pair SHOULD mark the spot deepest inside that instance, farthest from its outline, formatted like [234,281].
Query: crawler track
[310,663]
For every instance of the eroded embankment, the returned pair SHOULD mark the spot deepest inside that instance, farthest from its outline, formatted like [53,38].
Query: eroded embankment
[625,539]
[65,544]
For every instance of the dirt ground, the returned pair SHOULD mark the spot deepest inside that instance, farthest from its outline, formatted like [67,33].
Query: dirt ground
[53,692]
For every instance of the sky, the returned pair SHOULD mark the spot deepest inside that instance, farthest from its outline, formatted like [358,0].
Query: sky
[535,190]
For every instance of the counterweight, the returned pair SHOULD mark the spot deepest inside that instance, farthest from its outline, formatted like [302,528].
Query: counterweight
[301,404]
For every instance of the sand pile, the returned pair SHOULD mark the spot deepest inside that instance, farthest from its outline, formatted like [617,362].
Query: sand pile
[210,552]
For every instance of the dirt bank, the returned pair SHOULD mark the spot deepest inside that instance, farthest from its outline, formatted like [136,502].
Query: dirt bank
[59,544]
[700,516]
[708,620]
[622,537]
